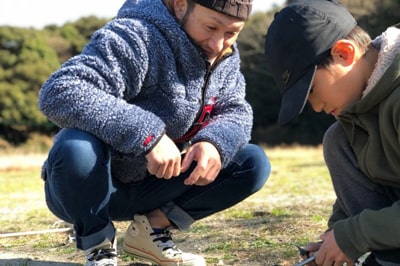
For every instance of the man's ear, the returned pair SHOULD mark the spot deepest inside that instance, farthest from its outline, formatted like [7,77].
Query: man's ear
[344,51]
[180,7]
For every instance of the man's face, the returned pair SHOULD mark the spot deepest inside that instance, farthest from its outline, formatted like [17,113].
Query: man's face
[212,31]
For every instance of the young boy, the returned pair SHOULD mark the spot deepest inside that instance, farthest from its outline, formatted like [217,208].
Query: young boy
[316,52]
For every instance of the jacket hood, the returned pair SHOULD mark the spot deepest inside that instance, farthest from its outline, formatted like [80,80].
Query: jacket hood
[382,82]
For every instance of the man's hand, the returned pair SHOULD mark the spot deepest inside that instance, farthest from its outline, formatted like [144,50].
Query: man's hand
[208,163]
[164,160]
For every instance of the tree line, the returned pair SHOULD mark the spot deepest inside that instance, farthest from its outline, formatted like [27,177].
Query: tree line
[28,56]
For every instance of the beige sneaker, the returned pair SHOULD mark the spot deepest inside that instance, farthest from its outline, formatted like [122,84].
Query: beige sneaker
[141,241]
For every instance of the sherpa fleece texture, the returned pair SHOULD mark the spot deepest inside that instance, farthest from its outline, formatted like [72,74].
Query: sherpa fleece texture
[141,76]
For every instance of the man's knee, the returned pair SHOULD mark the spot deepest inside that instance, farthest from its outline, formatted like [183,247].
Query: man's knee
[77,151]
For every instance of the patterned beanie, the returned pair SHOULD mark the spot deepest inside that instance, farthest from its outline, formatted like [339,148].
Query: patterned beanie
[236,8]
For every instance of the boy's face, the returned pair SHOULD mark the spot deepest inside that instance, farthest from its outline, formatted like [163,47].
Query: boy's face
[337,86]
[212,31]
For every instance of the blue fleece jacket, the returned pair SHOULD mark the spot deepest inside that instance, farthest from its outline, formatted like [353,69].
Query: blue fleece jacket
[141,76]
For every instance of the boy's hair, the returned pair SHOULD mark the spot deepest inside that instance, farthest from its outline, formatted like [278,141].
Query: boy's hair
[359,36]
[297,40]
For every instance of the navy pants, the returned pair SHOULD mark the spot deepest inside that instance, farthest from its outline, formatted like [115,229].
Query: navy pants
[79,188]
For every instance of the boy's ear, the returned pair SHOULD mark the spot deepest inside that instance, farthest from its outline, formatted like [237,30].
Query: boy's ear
[343,50]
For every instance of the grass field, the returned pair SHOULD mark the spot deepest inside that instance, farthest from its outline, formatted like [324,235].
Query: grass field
[292,209]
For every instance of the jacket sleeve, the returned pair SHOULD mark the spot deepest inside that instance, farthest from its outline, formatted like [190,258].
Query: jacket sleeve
[370,230]
[91,91]
[337,215]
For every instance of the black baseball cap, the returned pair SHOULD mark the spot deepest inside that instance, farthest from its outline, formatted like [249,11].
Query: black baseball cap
[298,38]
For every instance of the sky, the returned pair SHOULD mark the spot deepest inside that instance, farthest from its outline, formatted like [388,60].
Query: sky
[40,13]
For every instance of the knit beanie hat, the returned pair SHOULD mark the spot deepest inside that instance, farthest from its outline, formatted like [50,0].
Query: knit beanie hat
[236,8]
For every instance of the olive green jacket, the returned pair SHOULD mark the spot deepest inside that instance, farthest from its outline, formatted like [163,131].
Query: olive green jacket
[372,125]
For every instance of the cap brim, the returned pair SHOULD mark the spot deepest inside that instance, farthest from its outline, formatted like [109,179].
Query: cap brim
[295,98]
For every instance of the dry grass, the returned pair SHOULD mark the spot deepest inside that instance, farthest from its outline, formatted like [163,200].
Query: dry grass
[290,210]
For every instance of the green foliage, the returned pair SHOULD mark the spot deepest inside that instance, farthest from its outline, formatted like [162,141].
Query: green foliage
[381,15]
[71,34]
[27,58]
[25,64]
[86,26]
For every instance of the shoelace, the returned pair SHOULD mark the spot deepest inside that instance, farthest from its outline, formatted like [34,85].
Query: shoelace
[165,240]
[107,253]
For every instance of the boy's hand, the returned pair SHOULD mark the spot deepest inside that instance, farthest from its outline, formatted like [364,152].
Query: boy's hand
[309,250]
[329,253]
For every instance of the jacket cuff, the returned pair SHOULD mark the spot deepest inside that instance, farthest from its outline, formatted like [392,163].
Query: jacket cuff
[349,238]
[154,144]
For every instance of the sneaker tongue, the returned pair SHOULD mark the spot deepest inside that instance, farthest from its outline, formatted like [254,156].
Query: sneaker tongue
[163,236]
